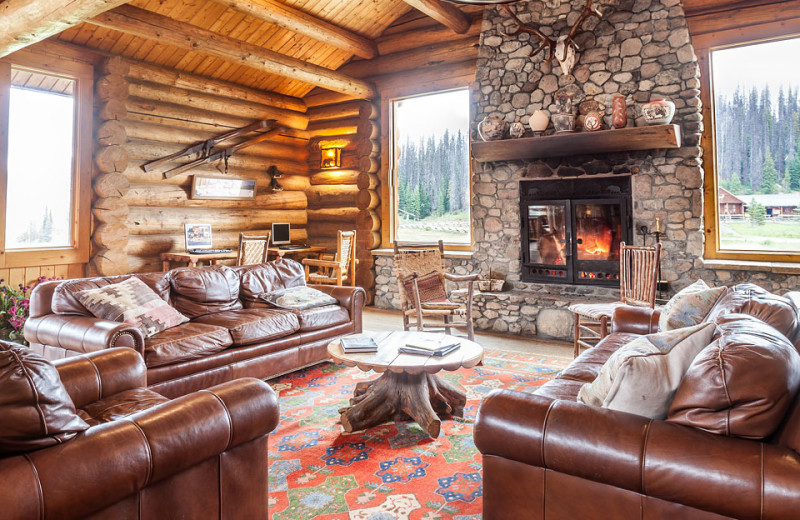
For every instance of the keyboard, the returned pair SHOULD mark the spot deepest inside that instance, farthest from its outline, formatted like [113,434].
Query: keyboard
[208,251]
[290,247]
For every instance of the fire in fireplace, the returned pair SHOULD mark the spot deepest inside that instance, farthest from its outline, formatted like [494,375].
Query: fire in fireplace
[572,229]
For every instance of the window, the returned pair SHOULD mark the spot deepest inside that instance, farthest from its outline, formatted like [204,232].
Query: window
[430,159]
[755,98]
[45,121]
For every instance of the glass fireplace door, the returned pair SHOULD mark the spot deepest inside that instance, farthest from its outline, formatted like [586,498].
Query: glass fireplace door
[598,225]
[546,227]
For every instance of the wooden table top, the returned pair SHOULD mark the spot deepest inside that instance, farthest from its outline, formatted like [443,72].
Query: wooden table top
[388,358]
[185,257]
[281,252]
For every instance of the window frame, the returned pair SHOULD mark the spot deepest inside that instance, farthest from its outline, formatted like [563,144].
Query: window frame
[704,45]
[391,171]
[83,75]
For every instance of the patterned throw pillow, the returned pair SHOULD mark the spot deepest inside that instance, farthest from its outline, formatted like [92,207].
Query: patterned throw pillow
[690,306]
[132,302]
[432,294]
[298,298]
[642,376]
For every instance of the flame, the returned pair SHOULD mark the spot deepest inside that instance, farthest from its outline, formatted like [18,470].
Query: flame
[597,244]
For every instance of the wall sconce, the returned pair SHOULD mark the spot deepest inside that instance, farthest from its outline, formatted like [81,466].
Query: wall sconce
[331,158]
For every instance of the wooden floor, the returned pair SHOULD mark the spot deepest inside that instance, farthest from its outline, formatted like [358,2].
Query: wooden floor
[381,319]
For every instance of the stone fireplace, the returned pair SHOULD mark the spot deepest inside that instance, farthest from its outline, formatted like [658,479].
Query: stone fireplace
[642,50]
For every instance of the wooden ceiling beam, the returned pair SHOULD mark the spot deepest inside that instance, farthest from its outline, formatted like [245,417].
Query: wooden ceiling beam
[24,23]
[146,24]
[445,14]
[277,13]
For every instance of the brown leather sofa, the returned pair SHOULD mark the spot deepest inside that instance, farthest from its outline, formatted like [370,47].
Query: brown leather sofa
[232,333]
[200,456]
[547,456]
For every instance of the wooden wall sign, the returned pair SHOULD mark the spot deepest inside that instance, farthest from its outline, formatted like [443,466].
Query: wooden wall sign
[223,188]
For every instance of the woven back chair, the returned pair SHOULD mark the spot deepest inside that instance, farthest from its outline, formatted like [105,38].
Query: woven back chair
[421,276]
[252,249]
[638,279]
[335,269]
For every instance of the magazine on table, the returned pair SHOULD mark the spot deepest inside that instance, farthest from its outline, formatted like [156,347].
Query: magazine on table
[432,346]
[353,344]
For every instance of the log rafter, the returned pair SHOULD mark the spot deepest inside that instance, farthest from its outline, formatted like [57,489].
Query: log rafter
[25,23]
[277,13]
[446,14]
[146,24]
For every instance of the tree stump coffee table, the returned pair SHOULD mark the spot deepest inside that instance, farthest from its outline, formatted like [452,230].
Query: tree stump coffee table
[408,387]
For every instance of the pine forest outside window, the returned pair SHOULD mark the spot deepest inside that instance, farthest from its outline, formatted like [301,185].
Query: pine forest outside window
[756,102]
[44,162]
[431,168]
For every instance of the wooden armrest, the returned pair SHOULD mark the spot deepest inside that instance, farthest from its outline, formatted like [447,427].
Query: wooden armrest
[321,263]
[461,277]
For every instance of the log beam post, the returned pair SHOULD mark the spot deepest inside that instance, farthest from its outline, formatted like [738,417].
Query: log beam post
[444,13]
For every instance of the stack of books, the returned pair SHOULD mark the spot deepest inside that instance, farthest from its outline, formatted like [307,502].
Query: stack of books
[430,347]
[356,344]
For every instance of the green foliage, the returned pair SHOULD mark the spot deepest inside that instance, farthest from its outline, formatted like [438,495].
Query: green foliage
[757,212]
[769,176]
[733,184]
[794,167]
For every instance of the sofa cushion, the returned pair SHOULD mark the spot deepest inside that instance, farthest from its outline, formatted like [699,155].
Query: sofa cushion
[742,384]
[247,326]
[65,302]
[689,306]
[120,405]
[35,409]
[264,278]
[322,317]
[133,302]
[642,376]
[197,291]
[298,298]
[777,311]
[187,341]
[586,366]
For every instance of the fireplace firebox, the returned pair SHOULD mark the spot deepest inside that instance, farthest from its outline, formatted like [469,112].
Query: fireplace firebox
[572,229]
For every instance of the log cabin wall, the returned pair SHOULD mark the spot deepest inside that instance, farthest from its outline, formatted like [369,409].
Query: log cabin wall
[163,111]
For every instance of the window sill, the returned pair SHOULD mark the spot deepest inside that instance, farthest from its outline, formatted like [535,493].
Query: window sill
[463,255]
[764,267]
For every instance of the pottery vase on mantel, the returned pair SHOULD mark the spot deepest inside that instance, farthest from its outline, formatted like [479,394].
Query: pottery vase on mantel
[539,121]
[658,111]
[563,122]
[619,114]
[491,128]
[516,130]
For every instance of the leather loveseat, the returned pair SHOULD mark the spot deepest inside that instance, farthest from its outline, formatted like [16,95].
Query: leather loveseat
[201,456]
[548,456]
[231,332]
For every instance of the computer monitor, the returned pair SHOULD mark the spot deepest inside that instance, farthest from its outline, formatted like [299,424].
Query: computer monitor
[198,236]
[281,234]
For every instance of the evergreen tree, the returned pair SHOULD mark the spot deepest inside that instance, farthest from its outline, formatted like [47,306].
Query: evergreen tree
[46,234]
[757,212]
[794,171]
[769,176]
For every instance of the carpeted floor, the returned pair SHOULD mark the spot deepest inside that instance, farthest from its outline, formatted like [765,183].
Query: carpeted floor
[392,471]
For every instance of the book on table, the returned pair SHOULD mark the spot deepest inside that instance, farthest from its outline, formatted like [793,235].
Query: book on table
[353,344]
[437,346]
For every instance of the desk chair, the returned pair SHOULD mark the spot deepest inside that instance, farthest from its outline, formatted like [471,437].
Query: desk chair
[252,249]
[335,269]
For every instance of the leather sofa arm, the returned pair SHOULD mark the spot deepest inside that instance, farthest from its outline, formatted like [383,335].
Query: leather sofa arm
[729,476]
[110,462]
[351,298]
[82,334]
[94,376]
[635,320]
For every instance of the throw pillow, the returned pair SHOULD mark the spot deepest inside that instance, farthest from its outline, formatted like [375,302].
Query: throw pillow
[432,294]
[132,302]
[35,409]
[642,376]
[298,298]
[690,306]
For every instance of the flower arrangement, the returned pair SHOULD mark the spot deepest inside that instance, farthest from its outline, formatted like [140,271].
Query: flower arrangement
[14,308]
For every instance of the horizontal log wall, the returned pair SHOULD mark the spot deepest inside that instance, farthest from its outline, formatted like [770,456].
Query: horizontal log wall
[162,112]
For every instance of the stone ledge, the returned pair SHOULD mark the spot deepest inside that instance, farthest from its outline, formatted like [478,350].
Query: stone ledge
[447,254]
[749,265]
[518,296]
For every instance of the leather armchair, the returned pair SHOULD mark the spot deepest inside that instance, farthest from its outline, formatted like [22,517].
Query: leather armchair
[203,455]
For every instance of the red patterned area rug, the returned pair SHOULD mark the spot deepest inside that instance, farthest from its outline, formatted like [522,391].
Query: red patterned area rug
[389,472]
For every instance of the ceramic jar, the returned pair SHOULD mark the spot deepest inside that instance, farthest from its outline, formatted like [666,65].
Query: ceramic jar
[539,121]
[658,111]
[516,130]
[564,122]
[592,121]
[491,128]
[619,114]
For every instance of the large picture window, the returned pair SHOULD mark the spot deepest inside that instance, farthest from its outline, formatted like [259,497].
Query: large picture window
[431,168]
[756,124]
[44,160]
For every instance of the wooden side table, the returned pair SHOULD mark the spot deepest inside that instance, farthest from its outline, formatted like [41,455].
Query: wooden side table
[280,253]
[212,258]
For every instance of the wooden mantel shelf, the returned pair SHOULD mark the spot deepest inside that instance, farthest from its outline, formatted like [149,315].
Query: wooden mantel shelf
[582,143]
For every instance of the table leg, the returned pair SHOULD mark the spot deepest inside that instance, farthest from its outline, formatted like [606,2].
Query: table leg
[423,398]
[192,262]
[165,265]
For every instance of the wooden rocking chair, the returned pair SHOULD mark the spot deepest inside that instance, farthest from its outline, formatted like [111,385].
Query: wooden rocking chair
[335,269]
[420,275]
[638,278]
[252,249]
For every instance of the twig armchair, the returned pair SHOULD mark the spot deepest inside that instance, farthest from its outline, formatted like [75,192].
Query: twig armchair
[335,269]
[252,249]
[421,278]
[638,279]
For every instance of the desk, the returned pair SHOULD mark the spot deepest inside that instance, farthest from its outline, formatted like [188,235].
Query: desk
[213,258]
[282,252]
